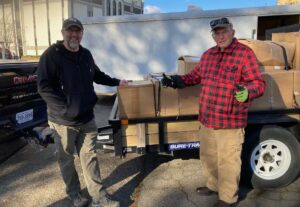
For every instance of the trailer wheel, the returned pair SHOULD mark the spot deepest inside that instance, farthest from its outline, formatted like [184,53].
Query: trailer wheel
[271,158]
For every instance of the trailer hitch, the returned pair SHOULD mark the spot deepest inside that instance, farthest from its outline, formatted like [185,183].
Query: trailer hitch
[39,135]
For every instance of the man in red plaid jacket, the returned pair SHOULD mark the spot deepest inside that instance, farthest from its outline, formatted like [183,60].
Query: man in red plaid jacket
[229,76]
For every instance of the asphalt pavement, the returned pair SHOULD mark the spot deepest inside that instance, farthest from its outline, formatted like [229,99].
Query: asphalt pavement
[31,178]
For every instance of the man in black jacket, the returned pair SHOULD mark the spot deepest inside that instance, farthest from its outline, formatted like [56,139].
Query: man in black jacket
[65,81]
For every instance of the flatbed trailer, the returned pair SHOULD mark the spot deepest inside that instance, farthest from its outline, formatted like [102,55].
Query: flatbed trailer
[271,151]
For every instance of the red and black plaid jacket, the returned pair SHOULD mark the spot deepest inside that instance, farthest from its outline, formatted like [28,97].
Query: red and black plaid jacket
[217,73]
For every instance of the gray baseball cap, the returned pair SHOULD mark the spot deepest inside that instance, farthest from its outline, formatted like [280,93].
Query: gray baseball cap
[221,22]
[72,22]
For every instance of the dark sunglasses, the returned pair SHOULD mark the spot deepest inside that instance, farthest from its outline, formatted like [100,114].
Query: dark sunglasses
[215,22]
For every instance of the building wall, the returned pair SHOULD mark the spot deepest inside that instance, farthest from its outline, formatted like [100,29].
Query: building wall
[40,24]
[133,5]
[136,3]
[7,27]
[80,10]
[28,25]
[136,6]
[56,20]
[98,11]
[38,35]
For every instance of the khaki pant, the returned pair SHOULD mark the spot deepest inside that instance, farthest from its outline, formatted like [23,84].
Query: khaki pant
[84,139]
[220,155]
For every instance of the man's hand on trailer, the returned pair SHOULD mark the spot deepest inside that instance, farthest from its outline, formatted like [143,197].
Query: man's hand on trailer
[167,81]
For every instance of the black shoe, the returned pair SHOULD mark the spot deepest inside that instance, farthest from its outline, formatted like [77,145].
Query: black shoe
[224,204]
[78,200]
[205,191]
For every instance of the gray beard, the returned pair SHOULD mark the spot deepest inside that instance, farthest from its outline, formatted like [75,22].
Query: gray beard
[73,45]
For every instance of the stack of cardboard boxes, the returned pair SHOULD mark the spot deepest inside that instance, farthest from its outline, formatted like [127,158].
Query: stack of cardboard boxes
[282,86]
[292,38]
[142,99]
[270,54]
[175,132]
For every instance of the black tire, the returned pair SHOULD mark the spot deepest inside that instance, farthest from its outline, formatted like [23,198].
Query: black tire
[271,157]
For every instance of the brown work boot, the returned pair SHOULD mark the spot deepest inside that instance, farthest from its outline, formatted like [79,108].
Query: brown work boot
[205,191]
[224,204]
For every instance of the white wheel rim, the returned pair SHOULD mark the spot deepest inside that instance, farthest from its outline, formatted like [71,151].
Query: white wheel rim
[270,159]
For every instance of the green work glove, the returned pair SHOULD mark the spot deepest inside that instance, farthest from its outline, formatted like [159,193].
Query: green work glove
[242,94]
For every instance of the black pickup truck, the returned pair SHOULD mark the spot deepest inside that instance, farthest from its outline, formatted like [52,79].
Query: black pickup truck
[21,107]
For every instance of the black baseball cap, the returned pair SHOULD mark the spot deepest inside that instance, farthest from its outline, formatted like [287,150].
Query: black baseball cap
[72,22]
[221,22]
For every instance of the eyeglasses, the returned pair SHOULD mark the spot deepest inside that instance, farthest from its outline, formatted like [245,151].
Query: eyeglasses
[215,22]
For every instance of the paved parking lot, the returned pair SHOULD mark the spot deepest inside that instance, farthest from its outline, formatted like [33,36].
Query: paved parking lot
[32,178]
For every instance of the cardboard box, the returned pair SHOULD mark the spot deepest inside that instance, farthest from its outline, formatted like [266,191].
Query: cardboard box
[130,134]
[185,64]
[175,102]
[148,99]
[172,137]
[185,131]
[182,126]
[188,100]
[279,89]
[166,100]
[263,103]
[136,100]
[177,137]
[292,37]
[282,85]
[132,140]
[169,102]
[152,128]
[269,53]
[297,88]
[131,129]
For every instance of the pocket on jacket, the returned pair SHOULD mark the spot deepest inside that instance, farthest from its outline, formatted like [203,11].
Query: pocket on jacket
[225,99]
[72,109]
[239,107]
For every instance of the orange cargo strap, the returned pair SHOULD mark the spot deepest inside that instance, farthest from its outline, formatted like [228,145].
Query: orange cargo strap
[124,122]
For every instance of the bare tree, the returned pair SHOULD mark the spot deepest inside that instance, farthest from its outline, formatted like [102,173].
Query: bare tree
[7,30]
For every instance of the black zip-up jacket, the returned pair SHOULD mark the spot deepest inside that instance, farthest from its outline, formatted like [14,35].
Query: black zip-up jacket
[65,82]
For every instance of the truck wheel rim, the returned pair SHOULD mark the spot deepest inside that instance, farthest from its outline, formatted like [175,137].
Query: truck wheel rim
[270,159]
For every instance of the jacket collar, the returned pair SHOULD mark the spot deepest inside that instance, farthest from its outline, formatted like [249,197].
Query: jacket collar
[60,48]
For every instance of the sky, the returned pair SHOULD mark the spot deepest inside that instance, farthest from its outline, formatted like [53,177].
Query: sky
[165,6]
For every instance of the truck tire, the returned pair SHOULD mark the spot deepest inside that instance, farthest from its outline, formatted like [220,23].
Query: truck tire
[271,158]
